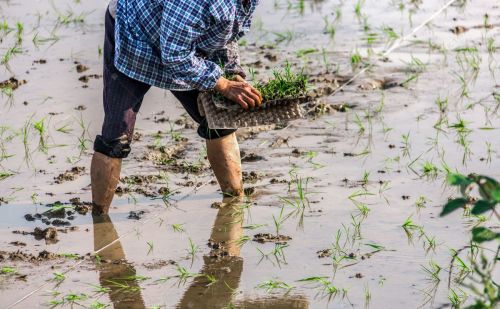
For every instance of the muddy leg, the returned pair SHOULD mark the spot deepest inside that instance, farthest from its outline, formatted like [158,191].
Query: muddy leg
[104,175]
[224,156]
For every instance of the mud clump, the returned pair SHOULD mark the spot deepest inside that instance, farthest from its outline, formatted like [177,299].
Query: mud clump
[80,68]
[318,109]
[324,253]
[266,237]
[70,175]
[250,157]
[27,257]
[85,78]
[249,191]
[164,191]
[383,84]
[49,234]
[328,253]
[139,190]
[59,222]
[60,214]
[159,264]
[12,83]
[139,179]
[164,154]
[459,30]
[276,180]
[81,207]
[136,215]
[251,177]
[217,249]
[18,243]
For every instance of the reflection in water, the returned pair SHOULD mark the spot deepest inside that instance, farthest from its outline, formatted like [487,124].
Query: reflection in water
[225,265]
[115,273]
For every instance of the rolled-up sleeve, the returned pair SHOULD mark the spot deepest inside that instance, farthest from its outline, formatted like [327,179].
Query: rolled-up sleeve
[229,56]
[178,37]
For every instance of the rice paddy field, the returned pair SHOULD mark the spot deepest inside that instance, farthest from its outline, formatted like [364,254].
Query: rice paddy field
[343,206]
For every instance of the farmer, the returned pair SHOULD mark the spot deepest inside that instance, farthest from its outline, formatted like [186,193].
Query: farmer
[176,45]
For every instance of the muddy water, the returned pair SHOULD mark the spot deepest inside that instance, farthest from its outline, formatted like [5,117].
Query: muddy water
[161,257]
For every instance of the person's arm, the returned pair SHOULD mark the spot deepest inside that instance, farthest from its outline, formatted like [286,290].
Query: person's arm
[185,68]
[229,56]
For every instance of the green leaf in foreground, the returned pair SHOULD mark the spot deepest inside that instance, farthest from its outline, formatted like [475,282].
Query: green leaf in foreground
[482,234]
[458,180]
[453,205]
[482,206]
[496,195]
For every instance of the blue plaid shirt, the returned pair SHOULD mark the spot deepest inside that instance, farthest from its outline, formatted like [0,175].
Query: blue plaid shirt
[177,44]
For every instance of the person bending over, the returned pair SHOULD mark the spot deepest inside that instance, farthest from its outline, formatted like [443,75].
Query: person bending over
[175,45]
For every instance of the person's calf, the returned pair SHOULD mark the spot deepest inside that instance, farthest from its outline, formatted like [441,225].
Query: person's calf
[224,156]
[104,175]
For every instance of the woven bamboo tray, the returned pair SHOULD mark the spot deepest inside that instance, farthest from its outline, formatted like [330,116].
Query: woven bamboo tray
[223,114]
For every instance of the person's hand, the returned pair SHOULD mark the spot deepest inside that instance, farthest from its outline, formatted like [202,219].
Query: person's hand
[239,91]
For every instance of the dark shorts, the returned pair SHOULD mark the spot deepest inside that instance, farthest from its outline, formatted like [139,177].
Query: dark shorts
[122,99]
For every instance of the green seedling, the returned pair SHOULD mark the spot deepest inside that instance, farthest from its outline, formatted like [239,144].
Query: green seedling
[421,202]
[327,289]
[4,175]
[442,104]
[11,52]
[429,169]
[150,246]
[122,285]
[298,201]
[306,51]
[356,60]
[71,256]
[38,40]
[99,289]
[6,270]
[192,249]
[433,271]
[357,8]
[455,299]
[279,221]
[59,276]
[272,285]
[329,27]
[243,239]
[184,274]
[211,279]
[410,228]
[98,305]
[40,127]
[19,33]
[286,36]
[178,227]
[285,84]
[368,296]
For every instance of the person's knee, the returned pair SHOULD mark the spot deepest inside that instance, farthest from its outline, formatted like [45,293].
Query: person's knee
[117,148]
[211,134]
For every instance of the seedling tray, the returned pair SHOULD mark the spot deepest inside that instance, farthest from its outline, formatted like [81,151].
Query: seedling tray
[223,103]
[224,114]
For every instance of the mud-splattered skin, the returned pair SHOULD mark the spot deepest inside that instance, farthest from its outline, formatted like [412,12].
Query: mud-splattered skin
[361,178]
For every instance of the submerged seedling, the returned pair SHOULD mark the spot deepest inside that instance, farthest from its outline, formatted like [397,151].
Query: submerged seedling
[271,285]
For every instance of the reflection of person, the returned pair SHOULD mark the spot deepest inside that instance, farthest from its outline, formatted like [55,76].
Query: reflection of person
[114,272]
[223,263]
[175,45]
[226,266]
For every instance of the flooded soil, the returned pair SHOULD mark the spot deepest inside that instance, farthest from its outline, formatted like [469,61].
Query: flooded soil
[344,204]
